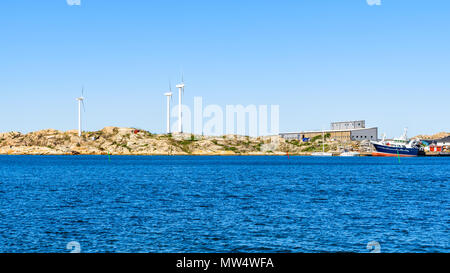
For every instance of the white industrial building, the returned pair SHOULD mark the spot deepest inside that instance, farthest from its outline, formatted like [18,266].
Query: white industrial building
[340,131]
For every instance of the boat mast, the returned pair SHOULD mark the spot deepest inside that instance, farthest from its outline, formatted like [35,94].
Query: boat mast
[323,141]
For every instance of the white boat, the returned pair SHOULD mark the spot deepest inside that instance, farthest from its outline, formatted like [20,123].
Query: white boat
[350,154]
[323,153]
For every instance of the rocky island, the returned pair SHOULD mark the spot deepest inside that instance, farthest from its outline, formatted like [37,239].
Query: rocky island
[133,141]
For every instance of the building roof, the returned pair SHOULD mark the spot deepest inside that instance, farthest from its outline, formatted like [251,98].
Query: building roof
[350,121]
[445,139]
[329,131]
[435,141]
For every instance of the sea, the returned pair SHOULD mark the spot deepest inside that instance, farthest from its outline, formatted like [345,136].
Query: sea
[248,204]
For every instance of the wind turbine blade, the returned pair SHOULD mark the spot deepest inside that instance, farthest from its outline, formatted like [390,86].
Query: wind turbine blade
[84,108]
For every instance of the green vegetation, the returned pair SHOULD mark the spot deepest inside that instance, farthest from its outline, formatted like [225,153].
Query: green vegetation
[123,145]
[258,146]
[294,142]
[228,147]
[144,132]
[314,139]
[246,144]
[231,148]
[165,136]
[316,148]
[184,145]
[309,149]
[185,142]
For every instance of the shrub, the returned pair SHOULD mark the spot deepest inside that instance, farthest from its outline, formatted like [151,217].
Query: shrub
[294,142]
[125,146]
[258,147]
[230,148]
[314,139]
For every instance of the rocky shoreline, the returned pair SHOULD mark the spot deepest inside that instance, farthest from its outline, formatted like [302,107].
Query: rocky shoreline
[132,141]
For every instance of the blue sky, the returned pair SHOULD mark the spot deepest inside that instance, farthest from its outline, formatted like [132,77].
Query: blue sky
[320,60]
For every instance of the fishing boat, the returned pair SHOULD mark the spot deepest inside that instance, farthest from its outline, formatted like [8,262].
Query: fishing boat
[323,153]
[401,147]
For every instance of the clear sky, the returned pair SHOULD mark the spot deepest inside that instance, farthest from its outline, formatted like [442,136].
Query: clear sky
[320,60]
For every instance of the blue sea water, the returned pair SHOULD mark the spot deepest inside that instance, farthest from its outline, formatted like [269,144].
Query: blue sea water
[223,204]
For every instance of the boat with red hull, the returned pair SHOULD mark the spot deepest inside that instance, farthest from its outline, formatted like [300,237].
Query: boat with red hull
[387,150]
[400,147]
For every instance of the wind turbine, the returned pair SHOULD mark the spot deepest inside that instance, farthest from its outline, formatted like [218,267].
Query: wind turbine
[180,114]
[169,97]
[80,102]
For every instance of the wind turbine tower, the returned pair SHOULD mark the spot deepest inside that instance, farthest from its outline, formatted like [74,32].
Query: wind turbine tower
[80,102]
[169,97]
[180,114]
